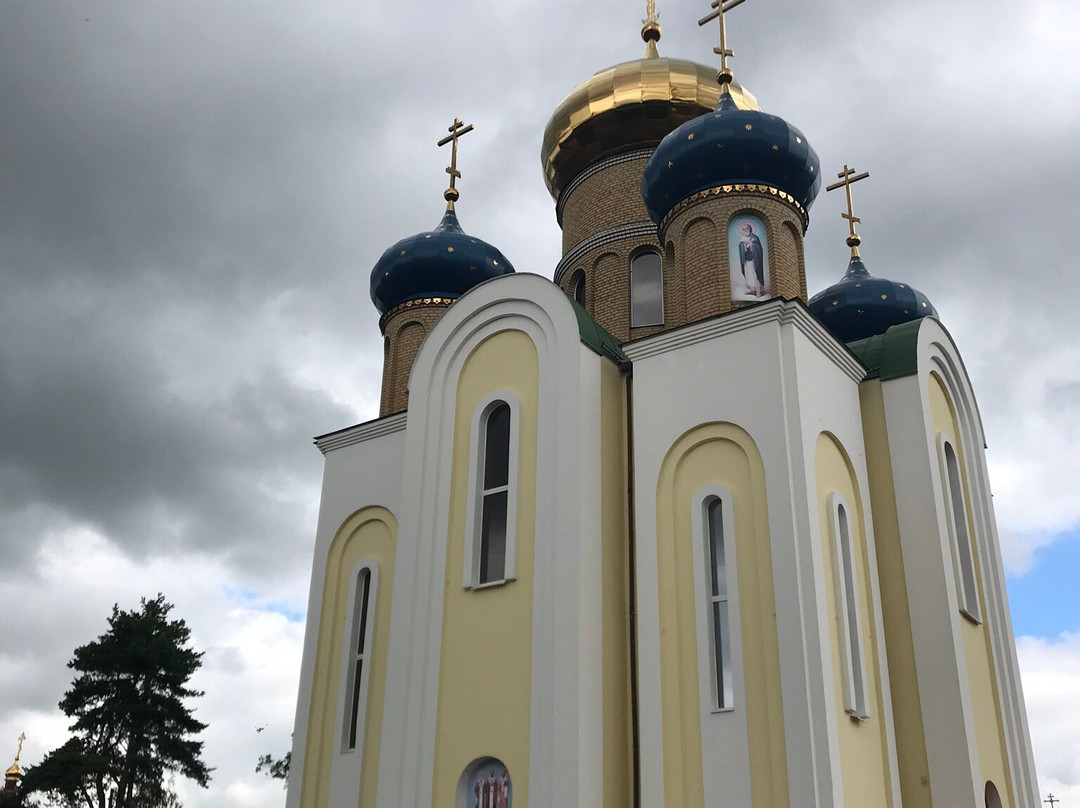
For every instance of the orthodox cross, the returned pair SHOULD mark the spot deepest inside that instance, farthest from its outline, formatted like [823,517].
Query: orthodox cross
[1050,798]
[457,130]
[22,737]
[847,177]
[721,7]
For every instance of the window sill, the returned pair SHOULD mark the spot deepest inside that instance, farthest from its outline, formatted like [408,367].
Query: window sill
[490,584]
[721,710]
[971,618]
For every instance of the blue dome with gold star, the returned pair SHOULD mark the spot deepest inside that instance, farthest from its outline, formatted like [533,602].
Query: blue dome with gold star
[862,306]
[730,146]
[443,263]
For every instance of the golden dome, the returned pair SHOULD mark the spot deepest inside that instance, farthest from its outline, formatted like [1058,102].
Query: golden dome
[633,104]
[13,772]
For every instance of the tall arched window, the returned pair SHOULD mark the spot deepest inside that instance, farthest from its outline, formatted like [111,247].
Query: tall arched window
[956,507]
[490,551]
[577,286]
[646,289]
[719,619]
[358,654]
[848,619]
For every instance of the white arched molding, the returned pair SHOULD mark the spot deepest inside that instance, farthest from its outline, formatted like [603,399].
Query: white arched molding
[565,765]
[849,625]
[956,511]
[474,513]
[938,353]
[721,675]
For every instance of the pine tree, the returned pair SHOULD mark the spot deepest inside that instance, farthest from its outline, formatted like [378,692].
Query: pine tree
[132,728]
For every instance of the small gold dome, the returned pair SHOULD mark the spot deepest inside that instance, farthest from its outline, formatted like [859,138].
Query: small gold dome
[633,104]
[13,772]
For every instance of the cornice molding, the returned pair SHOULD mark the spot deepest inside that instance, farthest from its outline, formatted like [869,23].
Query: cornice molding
[737,188]
[779,311]
[604,237]
[369,430]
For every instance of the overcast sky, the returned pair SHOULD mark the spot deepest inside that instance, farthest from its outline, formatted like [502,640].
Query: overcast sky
[192,196]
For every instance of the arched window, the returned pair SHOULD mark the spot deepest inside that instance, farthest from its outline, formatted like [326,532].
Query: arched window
[358,654]
[646,289]
[848,619]
[719,617]
[577,286]
[490,551]
[956,507]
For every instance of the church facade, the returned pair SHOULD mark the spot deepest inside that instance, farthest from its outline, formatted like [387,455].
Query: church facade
[660,532]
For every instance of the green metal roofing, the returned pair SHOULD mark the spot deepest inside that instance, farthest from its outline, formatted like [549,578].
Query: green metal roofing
[596,337]
[891,355]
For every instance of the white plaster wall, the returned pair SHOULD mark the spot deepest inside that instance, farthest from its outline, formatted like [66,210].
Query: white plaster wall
[348,486]
[955,776]
[566,719]
[773,371]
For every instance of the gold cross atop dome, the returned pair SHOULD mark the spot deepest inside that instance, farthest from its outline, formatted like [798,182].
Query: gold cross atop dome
[650,30]
[720,9]
[14,772]
[847,177]
[451,194]
[1050,798]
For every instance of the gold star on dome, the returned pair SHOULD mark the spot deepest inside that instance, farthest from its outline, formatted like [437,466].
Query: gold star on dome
[847,177]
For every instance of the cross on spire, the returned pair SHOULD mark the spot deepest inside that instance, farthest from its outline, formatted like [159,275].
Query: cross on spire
[451,194]
[720,8]
[22,737]
[1050,798]
[650,30]
[847,177]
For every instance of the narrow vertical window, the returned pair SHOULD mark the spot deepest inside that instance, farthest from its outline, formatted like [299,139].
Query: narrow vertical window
[577,286]
[847,613]
[495,495]
[720,633]
[956,504]
[646,289]
[359,657]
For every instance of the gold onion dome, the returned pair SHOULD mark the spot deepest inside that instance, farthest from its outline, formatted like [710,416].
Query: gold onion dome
[631,105]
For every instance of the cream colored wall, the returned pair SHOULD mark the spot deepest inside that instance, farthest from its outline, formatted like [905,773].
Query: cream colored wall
[863,743]
[717,453]
[485,663]
[618,779]
[982,679]
[369,533]
[904,685]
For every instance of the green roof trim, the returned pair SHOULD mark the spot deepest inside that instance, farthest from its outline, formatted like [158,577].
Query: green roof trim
[891,355]
[596,337]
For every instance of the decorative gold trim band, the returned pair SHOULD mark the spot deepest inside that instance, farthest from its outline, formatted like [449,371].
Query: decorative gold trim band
[411,304]
[737,188]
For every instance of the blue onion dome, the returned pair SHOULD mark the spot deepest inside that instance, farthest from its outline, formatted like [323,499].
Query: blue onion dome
[730,146]
[862,306]
[443,263]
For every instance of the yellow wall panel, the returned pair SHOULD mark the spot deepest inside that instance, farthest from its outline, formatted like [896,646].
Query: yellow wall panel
[863,743]
[725,454]
[485,668]
[978,655]
[368,533]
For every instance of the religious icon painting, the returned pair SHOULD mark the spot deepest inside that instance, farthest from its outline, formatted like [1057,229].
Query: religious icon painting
[486,785]
[748,258]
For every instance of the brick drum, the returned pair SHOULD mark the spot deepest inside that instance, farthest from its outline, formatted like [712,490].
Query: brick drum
[404,328]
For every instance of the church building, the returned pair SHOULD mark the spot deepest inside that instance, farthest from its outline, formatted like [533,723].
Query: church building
[666,531]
